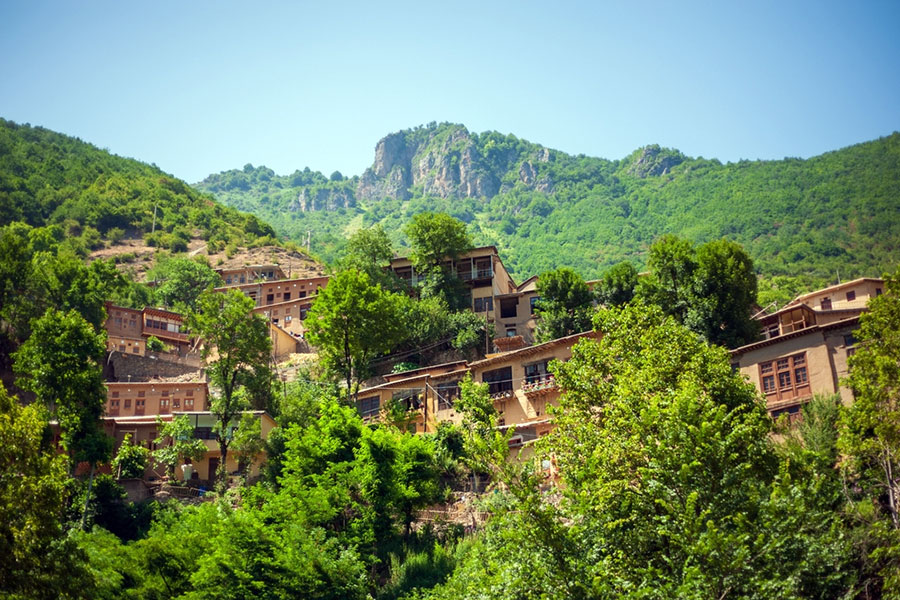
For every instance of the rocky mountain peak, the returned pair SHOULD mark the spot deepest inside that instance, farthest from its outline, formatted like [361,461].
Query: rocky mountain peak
[653,160]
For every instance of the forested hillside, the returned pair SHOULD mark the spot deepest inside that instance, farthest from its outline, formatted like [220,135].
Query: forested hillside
[834,215]
[50,178]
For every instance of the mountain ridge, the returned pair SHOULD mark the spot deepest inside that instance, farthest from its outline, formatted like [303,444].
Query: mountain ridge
[835,213]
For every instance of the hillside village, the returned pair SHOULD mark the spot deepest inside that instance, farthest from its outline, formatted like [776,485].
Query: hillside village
[193,407]
[801,352]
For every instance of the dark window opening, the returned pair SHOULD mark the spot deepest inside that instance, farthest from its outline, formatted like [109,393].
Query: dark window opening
[508,308]
[498,380]
[537,371]
[368,406]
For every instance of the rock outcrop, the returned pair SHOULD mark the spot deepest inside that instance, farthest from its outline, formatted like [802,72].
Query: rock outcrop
[440,161]
[652,160]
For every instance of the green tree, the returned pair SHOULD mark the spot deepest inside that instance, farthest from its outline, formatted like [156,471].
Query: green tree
[248,441]
[369,250]
[36,559]
[131,460]
[236,348]
[434,238]
[672,263]
[565,304]
[61,363]
[176,443]
[711,289]
[870,433]
[618,284]
[723,293]
[182,280]
[351,323]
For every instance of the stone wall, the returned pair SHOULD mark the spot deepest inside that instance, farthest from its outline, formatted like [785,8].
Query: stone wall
[133,367]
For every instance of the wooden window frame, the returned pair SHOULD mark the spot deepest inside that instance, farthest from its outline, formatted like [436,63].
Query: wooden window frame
[785,378]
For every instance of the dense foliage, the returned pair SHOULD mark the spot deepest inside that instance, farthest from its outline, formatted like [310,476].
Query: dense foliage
[47,178]
[833,215]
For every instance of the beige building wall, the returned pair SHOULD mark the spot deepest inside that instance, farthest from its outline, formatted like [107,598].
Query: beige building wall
[155,398]
[853,294]
[266,293]
[521,396]
[824,351]
[144,430]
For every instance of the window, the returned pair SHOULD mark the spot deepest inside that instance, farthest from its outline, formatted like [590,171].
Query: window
[785,378]
[826,303]
[188,404]
[165,393]
[204,433]
[498,380]
[301,294]
[176,402]
[287,296]
[792,413]
[368,407]
[141,394]
[851,295]
[536,371]
[411,399]
[484,304]
[533,303]
[136,349]
[127,402]
[770,330]
[270,298]
[115,394]
[287,319]
[508,308]
[190,392]
[447,394]
[510,331]
[849,340]
[877,291]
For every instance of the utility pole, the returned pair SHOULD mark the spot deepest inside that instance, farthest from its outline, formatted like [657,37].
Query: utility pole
[307,241]
[155,206]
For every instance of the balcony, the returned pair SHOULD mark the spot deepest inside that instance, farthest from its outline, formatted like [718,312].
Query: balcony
[540,387]
[469,275]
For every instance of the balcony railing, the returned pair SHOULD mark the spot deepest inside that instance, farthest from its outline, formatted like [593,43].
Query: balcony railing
[476,274]
[539,386]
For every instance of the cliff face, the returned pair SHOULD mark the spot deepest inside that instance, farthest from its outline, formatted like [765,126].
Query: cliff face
[445,161]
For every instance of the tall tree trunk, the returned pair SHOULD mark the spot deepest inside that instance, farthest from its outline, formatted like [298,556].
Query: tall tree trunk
[87,498]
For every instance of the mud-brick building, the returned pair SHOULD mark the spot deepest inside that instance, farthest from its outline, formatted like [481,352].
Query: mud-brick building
[493,293]
[804,347]
[519,382]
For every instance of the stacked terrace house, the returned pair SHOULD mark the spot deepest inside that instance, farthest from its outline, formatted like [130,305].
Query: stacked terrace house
[129,329]
[494,294]
[804,346]
[133,408]
[144,386]
[283,301]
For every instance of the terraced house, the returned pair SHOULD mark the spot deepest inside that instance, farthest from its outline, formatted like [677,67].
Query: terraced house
[804,346]
[493,293]
[519,382]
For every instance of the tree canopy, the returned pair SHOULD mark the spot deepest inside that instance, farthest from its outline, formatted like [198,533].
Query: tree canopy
[352,322]
[237,349]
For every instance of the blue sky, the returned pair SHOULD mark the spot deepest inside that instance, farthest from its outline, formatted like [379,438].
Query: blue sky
[199,87]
